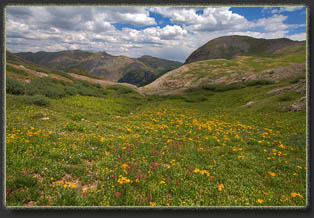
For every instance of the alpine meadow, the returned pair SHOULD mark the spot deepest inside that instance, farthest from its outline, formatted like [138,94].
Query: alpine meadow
[156,107]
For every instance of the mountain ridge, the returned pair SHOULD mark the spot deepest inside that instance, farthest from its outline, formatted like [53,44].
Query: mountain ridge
[228,47]
[103,65]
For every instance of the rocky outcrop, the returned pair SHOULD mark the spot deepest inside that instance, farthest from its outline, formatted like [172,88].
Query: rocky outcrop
[299,106]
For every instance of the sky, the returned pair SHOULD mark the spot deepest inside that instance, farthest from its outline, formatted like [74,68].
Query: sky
[165,32]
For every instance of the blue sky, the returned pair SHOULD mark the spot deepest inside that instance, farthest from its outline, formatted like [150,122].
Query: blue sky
[165,32]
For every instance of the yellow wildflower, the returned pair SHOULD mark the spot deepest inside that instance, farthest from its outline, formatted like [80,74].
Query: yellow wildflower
[259,201]
[221,187]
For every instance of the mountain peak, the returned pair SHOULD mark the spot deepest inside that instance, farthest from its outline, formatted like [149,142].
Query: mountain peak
[228,47]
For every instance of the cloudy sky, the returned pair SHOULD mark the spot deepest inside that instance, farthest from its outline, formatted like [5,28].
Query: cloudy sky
[165,32]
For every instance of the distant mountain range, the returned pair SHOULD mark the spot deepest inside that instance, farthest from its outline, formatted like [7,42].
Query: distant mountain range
[137,71]
[224,59]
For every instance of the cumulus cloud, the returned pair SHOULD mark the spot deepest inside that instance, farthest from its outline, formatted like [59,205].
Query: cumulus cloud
[212,18]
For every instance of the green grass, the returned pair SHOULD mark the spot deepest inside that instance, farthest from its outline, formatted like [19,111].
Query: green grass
[199,149]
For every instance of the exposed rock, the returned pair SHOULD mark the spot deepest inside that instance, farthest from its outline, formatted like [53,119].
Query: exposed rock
[299,106]
[249,103]
[300,87]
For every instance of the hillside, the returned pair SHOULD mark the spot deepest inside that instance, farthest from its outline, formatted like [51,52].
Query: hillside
[289,63]
[139,71]
[25,77]
[228,47]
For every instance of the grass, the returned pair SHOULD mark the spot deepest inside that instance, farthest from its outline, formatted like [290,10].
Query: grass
[123,149]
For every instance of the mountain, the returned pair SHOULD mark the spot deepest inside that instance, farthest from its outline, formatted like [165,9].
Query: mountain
[22,70]
[139,71]
[275,60]
[228,47]
[146,69]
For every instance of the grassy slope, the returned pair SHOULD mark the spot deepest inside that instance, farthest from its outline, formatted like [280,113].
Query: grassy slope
[127,149]
[209,70]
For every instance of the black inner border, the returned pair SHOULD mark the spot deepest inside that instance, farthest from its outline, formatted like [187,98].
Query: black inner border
[154,212]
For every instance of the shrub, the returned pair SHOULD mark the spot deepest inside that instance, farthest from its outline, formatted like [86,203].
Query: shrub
[49,87]
[222,87]
[210,87]
[285,97]
[297,79]
[38,100]
[259,82]
[31,89]
[53,91]
[70,90]
[120,89]
[14,87]
[195,98]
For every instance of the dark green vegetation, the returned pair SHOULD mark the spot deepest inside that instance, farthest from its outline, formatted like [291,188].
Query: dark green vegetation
[140,71]
[228,47]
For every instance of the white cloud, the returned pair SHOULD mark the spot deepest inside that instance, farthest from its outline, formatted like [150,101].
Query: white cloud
[264,35]
[282,9]
[273,23]
[212,18]
[298,37]
[136,19]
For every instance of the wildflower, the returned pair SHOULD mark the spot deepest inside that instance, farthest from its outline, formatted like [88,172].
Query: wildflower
[294,194]
[123,180]
[259,201]
[152,203]
[162,182]
[118,194]
[196,170]
[124,165]
[221,187]
[272,174]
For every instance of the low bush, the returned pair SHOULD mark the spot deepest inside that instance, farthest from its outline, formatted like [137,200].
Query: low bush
[14,87]
[38,100]
[70,90]
[259,82]
[120,89]
[285,97]
[195,98]
[49,87]
[297,79]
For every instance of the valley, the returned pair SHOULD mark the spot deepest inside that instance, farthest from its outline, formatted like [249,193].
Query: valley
[222,131]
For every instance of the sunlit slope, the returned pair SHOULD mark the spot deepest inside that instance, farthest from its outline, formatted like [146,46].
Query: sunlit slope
[239,69]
